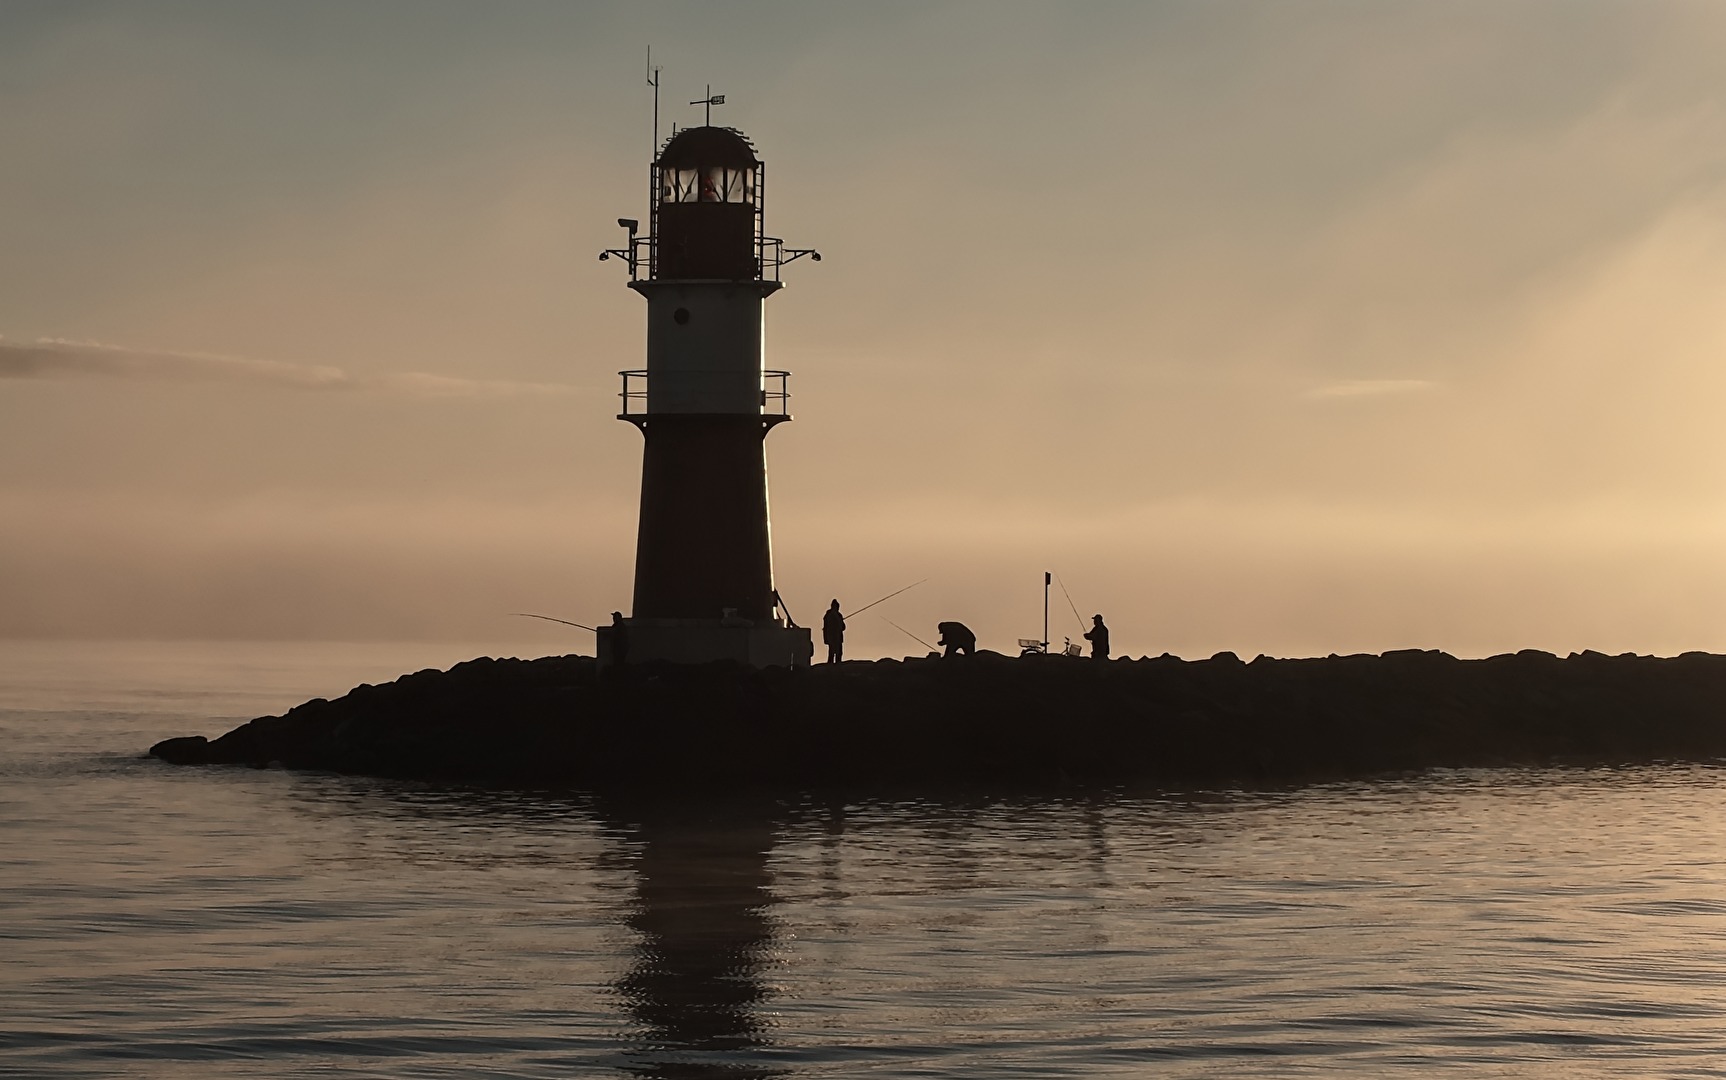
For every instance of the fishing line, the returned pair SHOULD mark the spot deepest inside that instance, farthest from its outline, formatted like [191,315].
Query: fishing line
[906,632]
[548,618]
[883,600]
[1075,607]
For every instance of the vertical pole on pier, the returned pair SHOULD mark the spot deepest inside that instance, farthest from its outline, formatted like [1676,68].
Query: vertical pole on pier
[1045,613]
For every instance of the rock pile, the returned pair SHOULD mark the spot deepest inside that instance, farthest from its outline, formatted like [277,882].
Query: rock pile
[992,718]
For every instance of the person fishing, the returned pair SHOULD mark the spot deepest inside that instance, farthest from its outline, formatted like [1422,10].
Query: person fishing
[619,638]
[957,638]
[833,633]
[1098,636]
[833,624]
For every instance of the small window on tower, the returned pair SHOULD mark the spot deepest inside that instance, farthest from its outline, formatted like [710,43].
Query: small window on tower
[680,185]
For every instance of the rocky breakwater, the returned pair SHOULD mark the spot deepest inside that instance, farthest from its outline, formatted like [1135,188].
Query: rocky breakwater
[991,718]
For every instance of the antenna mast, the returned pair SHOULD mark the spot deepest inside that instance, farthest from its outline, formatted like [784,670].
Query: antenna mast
[653,81]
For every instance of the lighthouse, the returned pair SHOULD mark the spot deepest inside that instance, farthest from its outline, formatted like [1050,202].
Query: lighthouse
[704,405]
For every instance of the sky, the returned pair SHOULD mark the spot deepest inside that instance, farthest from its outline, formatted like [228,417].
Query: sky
[1284,328]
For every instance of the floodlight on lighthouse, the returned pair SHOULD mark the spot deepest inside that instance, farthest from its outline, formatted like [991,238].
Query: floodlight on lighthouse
[627,253]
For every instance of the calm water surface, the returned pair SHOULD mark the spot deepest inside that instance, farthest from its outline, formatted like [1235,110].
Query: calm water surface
[163,922]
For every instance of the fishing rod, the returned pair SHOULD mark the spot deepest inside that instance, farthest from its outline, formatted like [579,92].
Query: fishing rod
[906,632]
[548,618]
[883,600]
[1069,596]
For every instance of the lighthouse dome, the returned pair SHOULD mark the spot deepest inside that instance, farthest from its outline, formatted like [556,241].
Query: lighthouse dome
[694,148]
[707,225]
[707,165]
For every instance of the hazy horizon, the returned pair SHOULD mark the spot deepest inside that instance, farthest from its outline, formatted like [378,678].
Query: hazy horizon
[1292,329]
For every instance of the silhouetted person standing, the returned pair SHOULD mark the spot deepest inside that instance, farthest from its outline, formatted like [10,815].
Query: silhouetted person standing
[1098,636]
[833,633]
[957,638]
[619,638]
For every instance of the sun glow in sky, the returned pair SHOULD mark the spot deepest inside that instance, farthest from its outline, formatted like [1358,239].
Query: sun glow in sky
[1285,328]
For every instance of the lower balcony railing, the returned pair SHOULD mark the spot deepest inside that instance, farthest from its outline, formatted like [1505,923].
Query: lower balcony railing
[705,392]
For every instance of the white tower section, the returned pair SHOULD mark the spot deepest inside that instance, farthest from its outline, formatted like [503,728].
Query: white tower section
[706,345]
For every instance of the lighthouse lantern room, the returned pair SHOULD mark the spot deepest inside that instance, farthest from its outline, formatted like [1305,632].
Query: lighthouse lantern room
[704,404]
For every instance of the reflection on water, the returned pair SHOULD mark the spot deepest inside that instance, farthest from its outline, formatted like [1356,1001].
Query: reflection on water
[700,906]
[692,881]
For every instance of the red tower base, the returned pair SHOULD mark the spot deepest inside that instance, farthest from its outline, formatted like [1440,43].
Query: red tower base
[703,555]
[702,550]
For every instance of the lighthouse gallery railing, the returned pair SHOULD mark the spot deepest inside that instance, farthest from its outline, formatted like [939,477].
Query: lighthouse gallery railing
[775,392]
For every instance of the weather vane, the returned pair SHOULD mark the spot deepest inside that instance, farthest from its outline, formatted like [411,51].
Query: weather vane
[710,101]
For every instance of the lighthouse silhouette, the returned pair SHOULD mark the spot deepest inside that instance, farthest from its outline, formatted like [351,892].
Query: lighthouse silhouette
[705,404]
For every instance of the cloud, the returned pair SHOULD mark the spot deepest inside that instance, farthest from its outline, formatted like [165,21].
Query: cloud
[1359,388]
[51,358]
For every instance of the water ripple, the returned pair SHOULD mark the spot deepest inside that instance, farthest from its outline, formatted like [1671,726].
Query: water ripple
[163,922]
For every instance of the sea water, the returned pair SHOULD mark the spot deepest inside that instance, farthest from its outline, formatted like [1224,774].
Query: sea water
[219,922]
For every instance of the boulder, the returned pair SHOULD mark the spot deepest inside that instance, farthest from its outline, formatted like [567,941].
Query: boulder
[185,750]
